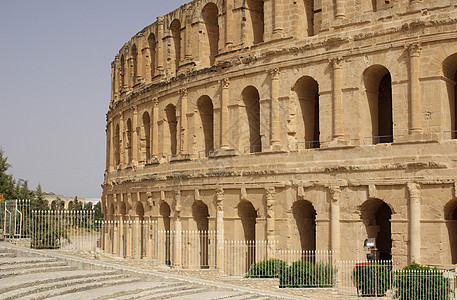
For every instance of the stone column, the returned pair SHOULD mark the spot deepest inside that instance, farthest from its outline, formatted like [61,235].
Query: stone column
[335,236]
[270,221]
[187,38]
[224,113]
[135,129]
[160,56]
[414,222]
[150,251]
[228,24]
[115,237]
[139,238]
[338,122]
[155,128]
[274,143]
[130,239]
[177,242]
[340,9]
[130,82]
[111,152]
[220,228]
[414,88]
[108,145]
[116,79]
[121,140]
[113,81]
[122,241]
[183,130]
[277,19]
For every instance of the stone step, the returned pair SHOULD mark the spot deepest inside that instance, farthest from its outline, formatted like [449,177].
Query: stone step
[210,295]
[34,279]
[7,254]
[24,260]
[187,290]
[36,265]
[151,291]
[125,291]
[35,271]
[60,284]
[71,289]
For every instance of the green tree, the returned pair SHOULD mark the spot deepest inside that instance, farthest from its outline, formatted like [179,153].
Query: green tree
[98,211]
[38,202]
[7,182]
[88,206]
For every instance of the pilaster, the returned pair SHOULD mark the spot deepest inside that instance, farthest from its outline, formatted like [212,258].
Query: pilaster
[414,222]
[414,88]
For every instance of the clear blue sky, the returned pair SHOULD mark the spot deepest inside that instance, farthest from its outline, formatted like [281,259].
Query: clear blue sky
[55,85]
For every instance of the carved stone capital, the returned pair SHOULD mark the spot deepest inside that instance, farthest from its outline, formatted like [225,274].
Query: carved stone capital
[183,93]
[274,73]
[414,190]
[337,62]
[160,20]
[225,83]
[414,49]
[335,192]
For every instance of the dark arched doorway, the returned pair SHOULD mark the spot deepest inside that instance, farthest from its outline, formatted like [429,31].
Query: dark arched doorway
[305,218]
[376,216]
[200,215]
[450,216]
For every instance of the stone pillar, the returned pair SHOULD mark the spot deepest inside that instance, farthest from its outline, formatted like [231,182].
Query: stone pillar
[108,145]
[277,19]
[220,228]
[338,122]
[135,129]
[177,242]
[414,222]
[122,240]
[183,130]
[187,38]
[149,252]
[139,238]
[340,9]
[414,88]
[115,237]
[121,140]
[228,24]
[335,236]
[274,142]
[130,239]
[116,79]
[155,128]
[130,82]
[224,113]
[270,221]
[160,48]
[111,152]
[113,81]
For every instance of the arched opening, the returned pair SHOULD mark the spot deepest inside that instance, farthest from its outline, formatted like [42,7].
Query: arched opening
[378,86]
[205,110]
[53,205]
[122,239]
[117,146]
[450,216]
[122,71]
[170,111]
[251,100]
[376,216]
[134,65]
[211,41]
[307,17]
[70,205]
[129,140]
[305,219]
[111,211]
[307,90]
[450,72]
[175,29]
[152,54]
[140,247]
[147,135]
[165,213]
[248,216]
[255,17]
[200,215]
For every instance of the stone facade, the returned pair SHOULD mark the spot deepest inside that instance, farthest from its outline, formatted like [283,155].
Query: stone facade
[315,123]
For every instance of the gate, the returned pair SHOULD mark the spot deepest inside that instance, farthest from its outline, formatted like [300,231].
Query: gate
[15,219]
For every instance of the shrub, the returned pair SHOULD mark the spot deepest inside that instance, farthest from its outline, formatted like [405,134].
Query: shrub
[266,269]
[302,274]
[373,279]
[47,235]
[420,283]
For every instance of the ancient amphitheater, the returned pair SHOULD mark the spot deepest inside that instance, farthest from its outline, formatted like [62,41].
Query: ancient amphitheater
[317,124]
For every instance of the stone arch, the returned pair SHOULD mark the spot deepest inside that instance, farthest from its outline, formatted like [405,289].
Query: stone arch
[211,40]
[248,216]
[200,215]
[70,205]
[175,31]
[306,17]
[152,43]
[450,216]
[206,112]
[53,205]
[117,146]
[122,208]
[376,216]
[139,210]
[111,210]
[305,219]
[307,90]
[450,72]
[251,100]
[147,134]
[129,140]
[255,21]
[134,65]
[170,111]
[378,87]
[122,71]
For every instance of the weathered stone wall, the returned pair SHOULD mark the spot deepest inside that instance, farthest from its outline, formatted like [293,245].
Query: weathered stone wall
[330,117]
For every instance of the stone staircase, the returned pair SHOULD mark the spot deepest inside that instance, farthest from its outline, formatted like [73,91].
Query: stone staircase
[29,275]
